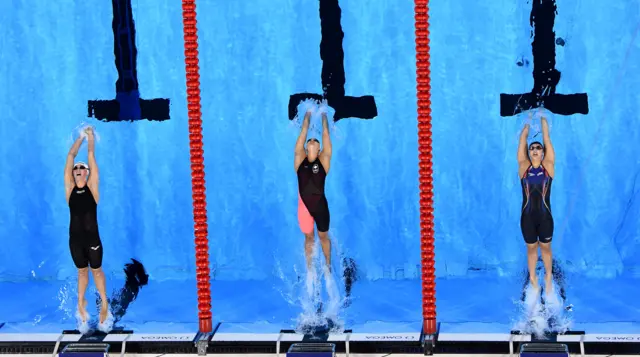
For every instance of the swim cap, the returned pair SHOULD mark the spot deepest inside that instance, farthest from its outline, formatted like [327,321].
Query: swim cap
[81,163]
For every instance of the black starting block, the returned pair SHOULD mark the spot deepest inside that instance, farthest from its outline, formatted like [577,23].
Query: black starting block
[544,350]
[313,344]
[90,345]
[85,350]
[536,346]
[323,349]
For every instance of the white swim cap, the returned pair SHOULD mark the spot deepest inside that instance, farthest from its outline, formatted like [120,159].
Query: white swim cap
[81,163]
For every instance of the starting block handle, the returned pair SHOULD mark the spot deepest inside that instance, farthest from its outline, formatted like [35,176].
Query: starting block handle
[346,342]
[55,349]
[86,347]
[124,346]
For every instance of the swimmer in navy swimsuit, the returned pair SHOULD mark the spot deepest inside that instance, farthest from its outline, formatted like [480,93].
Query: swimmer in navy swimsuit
[82,194]
[312,166]
[536,170]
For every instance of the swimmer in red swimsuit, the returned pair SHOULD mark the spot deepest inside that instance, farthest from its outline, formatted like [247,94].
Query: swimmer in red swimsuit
[312,166]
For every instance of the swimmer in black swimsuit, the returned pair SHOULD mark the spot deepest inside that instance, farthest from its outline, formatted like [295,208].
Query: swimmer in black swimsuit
[81,189]
[312,166]
[536,170]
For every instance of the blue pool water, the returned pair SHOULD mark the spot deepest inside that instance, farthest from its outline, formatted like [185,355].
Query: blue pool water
[57,56]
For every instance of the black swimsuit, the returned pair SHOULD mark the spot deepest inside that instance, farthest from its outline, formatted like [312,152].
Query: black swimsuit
[536,221]
[311,179]
[84,238]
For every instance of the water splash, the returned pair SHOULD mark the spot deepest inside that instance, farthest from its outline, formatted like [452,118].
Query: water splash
[79,132]
[555,312]
[307,105]
[66,298]
[533,119]
[82,324]
[310,298]
[332,313]
[317,108]
[532,320]
[107,325]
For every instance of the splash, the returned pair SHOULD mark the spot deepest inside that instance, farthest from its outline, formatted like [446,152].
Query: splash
[533,119]
[79,132]
[324,108]
[555,313]
[332,313]
[107,325]
[66,298]
[533,320]
[316,108]
[310,299]
[82,324]
[307,105]
[543,314]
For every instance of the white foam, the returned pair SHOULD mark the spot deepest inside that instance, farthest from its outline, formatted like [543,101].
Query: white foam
[315,122]
[307,105]
[80,132]
[107,325]
[334,295]
[532,320]
[555,310]
[83,323]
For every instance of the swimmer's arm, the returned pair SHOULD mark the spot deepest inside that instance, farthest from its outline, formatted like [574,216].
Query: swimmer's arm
[550,154]
[68,165]
[326,138]
[94,175]
[546,140]
[299,153]
[523,156]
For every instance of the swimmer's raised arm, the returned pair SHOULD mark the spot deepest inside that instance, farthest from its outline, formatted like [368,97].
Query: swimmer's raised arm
[523,155]
[325,155]
[68,165]
[94,175]
[299,153]
[549,153]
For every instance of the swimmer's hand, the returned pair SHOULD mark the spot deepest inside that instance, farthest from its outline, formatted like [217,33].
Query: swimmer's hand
[89,131]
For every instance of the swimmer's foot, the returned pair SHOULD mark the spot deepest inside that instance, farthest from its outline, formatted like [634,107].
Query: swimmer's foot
[548,285]
[82,310]
[533,284]
[104,312]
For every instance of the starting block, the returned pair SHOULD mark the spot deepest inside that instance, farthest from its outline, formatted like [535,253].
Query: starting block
[91,345]
[544,350]
[312,345]
[312,350]
[85,350]
[549,345]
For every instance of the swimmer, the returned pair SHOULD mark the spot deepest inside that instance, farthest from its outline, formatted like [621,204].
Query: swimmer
[536,170]
[312,166]
[81,188]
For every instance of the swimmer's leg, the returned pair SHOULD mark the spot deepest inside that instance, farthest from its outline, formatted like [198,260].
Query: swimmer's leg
[95,260]
[101,285]
[309,241]
[546,234]
[81,261]
[545,251]
[305,220]
[322,219]
[532,262]
[325,242]
[83,282]
[530,235]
